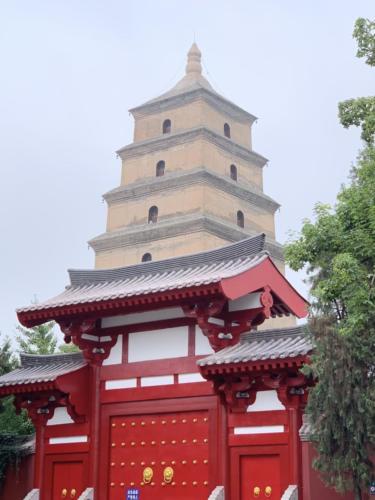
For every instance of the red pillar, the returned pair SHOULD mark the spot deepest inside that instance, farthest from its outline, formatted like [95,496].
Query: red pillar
[295,445]
[95,426]
[39,454]
[294,403]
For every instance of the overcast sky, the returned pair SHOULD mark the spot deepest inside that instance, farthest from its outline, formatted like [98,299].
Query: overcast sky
[71,69]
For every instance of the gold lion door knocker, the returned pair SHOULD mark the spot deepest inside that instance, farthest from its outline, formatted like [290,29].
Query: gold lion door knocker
[256,491]
[147,475]
[268,491]
[168,475]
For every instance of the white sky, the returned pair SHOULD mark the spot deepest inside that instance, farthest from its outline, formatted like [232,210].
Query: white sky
[71,69]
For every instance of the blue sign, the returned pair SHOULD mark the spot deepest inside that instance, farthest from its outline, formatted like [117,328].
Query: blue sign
[132,494]
[372,488]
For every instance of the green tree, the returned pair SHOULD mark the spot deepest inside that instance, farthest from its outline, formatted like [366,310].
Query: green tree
[8,361]
[13,427]
[361,112]
[38,339]
[68,348]
[338,248]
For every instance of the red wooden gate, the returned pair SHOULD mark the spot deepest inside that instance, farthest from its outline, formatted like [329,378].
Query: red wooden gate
[165,456]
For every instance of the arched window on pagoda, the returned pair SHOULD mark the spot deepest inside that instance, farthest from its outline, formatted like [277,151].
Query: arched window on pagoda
[146,257]
[240,219]
[167,125]
[160,167]
[153,215]
[227,130]
[233,172]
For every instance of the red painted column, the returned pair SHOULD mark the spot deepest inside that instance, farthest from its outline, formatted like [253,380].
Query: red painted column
[293,405]
[94,427]
[39,455]
[294,445]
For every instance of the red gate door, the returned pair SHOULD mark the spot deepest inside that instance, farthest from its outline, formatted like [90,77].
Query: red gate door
[163,456]
[260,477]
[64,478]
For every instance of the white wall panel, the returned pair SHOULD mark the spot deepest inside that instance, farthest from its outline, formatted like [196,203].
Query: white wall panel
[157,380]
[202,345]
[158,344]
[144,317]
[249,301]
[266,401]
[263,429]
[187,378]
[60,416]
[68,439]
[115,356]
[126,383]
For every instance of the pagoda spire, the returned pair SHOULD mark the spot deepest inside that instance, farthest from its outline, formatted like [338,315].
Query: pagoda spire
[193,65]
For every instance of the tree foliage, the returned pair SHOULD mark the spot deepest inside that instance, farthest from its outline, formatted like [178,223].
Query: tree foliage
[338,248]
[361,112]
[37,340]
[13,427]
[8,361]
[364,33]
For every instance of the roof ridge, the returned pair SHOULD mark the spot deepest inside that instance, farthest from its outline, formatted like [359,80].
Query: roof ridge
[274,333]
[47,359]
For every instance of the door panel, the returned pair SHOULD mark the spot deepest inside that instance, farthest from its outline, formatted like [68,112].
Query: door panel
[67,480]
[65,477]
[260,477]
[164,456]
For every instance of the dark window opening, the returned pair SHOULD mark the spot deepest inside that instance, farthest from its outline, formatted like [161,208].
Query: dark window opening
[167,126]
[146,257]
[240,219]
[160,167]
[153,215]
[233,172]
[227,130]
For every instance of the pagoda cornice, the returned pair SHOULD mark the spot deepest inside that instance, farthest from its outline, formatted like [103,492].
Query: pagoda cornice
[168,141]
[217,101]
[181,225]
[179,179]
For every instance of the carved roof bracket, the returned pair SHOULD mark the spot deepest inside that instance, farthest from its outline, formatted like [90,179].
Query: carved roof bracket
[86,334]
[237,394]
[41,406]
[223,328]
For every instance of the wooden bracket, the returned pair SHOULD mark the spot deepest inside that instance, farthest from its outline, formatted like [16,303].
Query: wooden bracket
[86,334]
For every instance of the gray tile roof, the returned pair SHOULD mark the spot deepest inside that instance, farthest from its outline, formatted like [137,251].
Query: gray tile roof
[203,268]
[42,368]
[264,345]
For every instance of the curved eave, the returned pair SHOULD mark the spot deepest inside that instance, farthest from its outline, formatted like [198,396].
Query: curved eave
[103,308]
[260,365]
[37,386]
[265,274]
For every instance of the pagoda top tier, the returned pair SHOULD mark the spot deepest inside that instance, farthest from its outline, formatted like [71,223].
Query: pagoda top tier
[192,84]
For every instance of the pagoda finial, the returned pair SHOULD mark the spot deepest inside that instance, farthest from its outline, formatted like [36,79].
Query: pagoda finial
[194,60]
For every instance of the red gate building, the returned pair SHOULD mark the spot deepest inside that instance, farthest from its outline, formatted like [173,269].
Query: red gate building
[187,383]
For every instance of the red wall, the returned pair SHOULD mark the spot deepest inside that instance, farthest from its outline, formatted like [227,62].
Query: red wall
[313,487]
[18,480]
